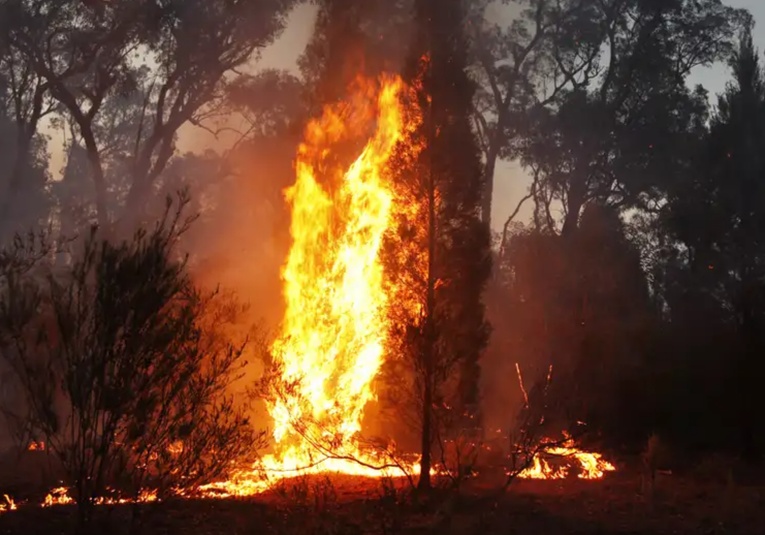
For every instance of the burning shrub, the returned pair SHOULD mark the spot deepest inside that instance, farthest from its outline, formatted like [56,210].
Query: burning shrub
[125,367]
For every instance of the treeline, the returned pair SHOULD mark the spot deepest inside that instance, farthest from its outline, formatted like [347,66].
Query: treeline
[639,275]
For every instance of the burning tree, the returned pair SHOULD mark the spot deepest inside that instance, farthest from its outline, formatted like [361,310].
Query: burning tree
[323,363]
[125,367]
[389,255]
[441,248]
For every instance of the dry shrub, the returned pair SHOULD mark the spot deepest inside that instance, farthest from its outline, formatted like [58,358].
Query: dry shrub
[125,366]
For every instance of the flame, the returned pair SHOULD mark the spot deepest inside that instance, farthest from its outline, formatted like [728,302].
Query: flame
[9,504]
[36,446]
[338,305]
[336,322]
[60,496]
[588,465]
[335,327]
[332,345]
[175,448]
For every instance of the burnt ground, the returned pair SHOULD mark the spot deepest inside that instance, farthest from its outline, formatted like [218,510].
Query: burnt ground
[682,504]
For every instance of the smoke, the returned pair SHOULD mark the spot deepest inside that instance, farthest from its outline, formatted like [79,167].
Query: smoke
[241,238]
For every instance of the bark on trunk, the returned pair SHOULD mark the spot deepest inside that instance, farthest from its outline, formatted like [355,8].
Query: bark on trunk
[99,182]
[96,171]
[428,354]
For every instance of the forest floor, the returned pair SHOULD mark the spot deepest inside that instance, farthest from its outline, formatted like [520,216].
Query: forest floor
[323,506]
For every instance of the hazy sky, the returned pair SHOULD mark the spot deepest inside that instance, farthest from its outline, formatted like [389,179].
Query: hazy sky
[511,181]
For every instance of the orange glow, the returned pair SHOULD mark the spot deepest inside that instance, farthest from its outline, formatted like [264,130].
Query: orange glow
[60,496]
[333,340]
[7,504]
[36,446]
[340,302]
[336,324]
[585,465]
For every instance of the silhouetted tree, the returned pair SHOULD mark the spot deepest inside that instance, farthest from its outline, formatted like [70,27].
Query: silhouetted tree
[88,55]
[715,217]
[608,136]
[581,306]
[512,45]
[24,102]
[447,339]
[353,39]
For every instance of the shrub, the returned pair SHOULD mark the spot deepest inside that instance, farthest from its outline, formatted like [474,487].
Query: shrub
[125,367]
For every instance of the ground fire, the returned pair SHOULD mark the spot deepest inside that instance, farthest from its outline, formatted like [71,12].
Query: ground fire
[566,460]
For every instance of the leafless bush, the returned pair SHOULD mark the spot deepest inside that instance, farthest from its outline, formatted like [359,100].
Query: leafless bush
[458,447]
[527,440]
[125,366]
[21,263]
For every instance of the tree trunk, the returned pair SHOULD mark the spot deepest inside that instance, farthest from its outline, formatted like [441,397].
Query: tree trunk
[487,196]
[11,188]
[136,204]
[427,432]
[97,173]
[576,198]
[8,191]
[428,353]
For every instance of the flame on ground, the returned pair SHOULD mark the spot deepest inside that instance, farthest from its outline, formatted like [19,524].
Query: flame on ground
[586,465]
[61,496]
